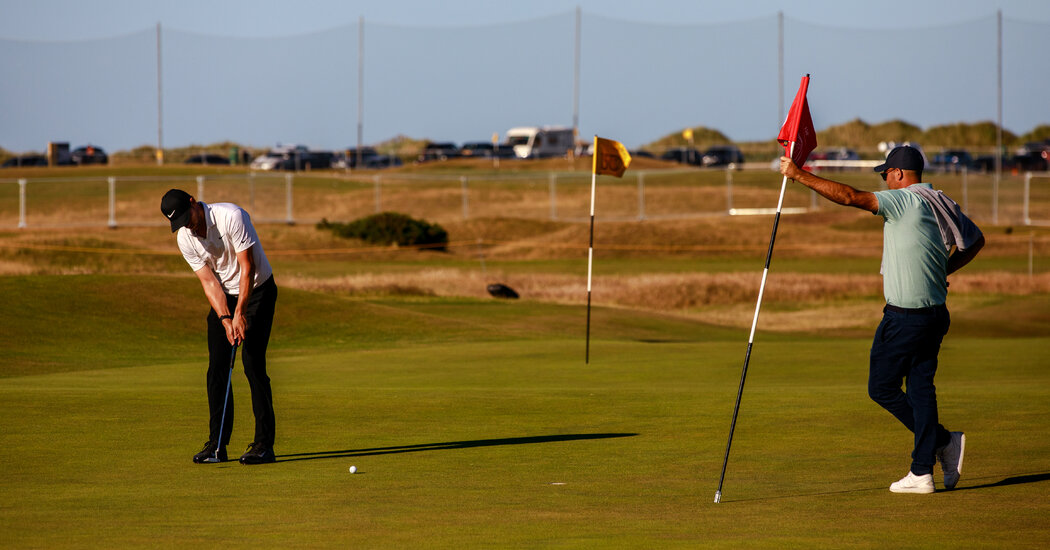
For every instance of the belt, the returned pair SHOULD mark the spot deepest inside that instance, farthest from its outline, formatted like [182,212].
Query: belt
[914,310]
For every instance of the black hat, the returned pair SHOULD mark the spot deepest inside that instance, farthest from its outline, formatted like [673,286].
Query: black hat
[904,157]
[176,207]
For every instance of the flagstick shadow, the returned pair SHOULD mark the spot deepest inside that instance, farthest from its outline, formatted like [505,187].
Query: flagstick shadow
[446,446]
[1005,482]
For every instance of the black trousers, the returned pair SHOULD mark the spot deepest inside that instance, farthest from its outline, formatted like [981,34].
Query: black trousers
[905,351]
[259,314]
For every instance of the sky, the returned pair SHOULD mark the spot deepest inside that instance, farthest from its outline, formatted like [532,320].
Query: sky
[463,70]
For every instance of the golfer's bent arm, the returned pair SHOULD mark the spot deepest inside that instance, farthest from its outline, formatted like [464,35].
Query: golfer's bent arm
[247,283]
[217,298]
[832,190]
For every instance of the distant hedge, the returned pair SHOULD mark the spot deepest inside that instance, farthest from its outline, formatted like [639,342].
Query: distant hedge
[390,228]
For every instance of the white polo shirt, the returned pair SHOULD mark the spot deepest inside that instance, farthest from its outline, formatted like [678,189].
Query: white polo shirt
[230,231]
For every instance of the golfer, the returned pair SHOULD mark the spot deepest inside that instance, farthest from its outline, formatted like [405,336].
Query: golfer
[220,244]
[921,227]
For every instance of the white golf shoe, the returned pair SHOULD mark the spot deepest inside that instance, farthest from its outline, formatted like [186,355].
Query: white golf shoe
[912,483]
[951,458]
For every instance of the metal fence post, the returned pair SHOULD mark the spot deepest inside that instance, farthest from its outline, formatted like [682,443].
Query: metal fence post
[552,180]
[288,198]
[112,202]
[200,188]
[641,195]
[729,190]
[466,199]
[21,203]
[1027,190]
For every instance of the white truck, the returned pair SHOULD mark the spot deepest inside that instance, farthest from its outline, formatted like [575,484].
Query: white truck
[541,142]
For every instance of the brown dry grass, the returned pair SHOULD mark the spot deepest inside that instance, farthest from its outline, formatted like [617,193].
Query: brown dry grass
[797,301]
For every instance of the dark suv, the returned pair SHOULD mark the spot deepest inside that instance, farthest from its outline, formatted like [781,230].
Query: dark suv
[684,155]
[89,154]
[439,150]
[723,155]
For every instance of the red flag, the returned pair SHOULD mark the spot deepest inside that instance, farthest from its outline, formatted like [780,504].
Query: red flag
[798,128]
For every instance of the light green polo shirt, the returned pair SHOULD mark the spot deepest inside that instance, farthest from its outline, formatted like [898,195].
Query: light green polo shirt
[914,258]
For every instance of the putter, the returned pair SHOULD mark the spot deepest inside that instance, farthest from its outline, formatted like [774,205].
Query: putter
[225,401]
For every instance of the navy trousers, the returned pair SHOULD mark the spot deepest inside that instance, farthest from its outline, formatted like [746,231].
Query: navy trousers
[905,351]
[259,314]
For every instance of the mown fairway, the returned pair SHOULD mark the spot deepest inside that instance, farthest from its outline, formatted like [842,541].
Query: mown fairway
[476,424]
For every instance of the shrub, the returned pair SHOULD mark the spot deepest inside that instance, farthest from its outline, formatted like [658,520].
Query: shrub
[390,228]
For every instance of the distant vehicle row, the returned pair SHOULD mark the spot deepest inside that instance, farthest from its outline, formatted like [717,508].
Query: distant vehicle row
[718,155]
[88,154]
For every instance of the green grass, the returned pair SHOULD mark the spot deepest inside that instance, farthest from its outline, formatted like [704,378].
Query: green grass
[476,423]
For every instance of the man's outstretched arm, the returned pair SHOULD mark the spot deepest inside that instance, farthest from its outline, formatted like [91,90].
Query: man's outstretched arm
[832,190]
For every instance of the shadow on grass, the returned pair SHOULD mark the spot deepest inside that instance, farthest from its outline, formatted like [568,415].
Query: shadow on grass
[451,445]
[1013,480]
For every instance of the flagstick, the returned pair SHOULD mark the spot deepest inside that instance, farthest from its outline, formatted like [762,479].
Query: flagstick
[751,338]
[590,262]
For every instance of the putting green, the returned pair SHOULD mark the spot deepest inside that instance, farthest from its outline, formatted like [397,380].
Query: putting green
[477,424]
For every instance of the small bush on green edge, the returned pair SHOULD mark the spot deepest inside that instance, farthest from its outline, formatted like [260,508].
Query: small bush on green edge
[390,228]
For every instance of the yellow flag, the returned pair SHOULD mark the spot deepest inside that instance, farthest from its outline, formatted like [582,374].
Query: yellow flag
[610,157]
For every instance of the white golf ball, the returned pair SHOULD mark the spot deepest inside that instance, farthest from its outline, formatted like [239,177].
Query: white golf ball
[353,469]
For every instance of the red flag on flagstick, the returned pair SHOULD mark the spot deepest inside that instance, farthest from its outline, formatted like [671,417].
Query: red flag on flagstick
[798,128]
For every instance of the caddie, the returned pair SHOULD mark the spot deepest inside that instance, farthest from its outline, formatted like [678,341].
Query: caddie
[926,238]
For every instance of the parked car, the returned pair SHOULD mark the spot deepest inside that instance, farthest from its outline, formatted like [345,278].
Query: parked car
[477,149]
[89,154]
[832,154]
[209,158]
[952,160]
[505,151]
[25,161]
[1032,157]
[684,155]
[297,157]
[640,153]
[986,163]
[439,150]
[723,155]
[351,157]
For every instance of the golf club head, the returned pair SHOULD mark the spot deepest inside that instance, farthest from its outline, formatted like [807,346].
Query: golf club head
[212,460]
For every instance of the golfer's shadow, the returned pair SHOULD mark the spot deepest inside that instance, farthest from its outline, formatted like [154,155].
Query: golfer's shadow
[450,445]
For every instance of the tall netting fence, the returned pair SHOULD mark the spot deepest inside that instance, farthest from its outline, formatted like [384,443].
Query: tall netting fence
[636,82]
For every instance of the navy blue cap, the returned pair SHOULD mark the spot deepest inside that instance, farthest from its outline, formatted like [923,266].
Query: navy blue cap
[904,157]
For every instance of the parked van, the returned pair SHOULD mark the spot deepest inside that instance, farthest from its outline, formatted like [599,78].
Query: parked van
[535,142]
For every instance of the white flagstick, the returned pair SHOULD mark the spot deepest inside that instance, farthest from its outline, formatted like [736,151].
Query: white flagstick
[590,261]
[751,338]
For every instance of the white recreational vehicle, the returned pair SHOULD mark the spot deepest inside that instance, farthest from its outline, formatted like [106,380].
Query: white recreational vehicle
[535,142]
